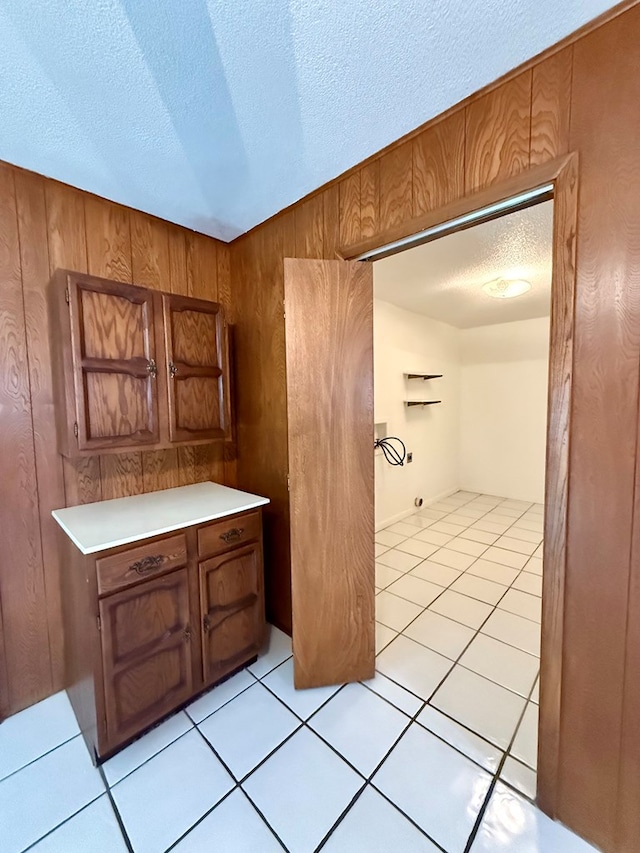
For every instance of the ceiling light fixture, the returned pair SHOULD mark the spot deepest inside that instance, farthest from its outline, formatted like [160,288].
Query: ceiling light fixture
[502,288]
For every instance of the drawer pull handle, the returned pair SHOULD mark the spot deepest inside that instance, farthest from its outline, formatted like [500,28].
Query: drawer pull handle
[232,535]
[147,564]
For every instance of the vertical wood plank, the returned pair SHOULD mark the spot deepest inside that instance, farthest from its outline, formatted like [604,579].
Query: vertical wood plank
[551,107]
[309,228]
[604,425]
[438,164]
[34,259]
[202,278]
[22,590]
[230,449]
[202,266]
[151,267]
[370,199]
[109,255]
[66,233]
[108,239]
[331,217]
[349,209]
[180,284]
[396,186]
[497,133]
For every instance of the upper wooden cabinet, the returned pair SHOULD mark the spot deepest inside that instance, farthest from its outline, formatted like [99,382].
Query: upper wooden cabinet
[195,345]
[137,368]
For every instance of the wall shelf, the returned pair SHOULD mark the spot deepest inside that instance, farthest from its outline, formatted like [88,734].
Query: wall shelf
[423,375]
[421,402]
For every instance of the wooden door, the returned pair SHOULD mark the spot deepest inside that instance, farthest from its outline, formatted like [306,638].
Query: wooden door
[329,356]
[197,369]
[113,350]
[146,651]
[232,604]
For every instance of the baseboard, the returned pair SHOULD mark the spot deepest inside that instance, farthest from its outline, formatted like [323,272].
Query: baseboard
[412,510]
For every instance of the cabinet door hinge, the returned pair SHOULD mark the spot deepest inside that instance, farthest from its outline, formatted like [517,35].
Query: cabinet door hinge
[288,484]
[99,622]
[75,429]
[67,298]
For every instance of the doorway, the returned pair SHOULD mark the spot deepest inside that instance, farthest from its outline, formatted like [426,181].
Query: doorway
[461,344]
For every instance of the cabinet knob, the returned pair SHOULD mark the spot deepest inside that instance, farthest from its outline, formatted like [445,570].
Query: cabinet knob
[152,368]
[172,369]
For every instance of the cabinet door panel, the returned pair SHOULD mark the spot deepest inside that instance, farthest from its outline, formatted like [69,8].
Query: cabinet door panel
[146,649]
[113,350]
[114,326]
[197,405]
[117,406]
[197,369]
[232,610]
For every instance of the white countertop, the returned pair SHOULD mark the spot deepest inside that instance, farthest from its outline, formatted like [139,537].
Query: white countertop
[107,524]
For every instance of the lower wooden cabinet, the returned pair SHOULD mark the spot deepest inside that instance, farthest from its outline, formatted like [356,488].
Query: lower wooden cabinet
[150,625]
[146,653]
[232,609]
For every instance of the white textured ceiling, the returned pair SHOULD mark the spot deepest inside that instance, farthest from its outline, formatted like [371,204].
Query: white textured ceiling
[215,114]
[444,279]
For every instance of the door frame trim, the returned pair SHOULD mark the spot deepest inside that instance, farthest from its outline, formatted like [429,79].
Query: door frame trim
[562,173]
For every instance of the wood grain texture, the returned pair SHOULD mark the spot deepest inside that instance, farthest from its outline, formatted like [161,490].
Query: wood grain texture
[258,292]
[557,481]
[438,165]
[109,256]
[396,186]
[34,262]
[329,352]
[309,228]
[230,449]
[152,266]
[551,107]
[331,221]
[370,217]
[62,228]
[22,588]
[66,231]
[349,210]
[202,266]
[604,129]
[497,133]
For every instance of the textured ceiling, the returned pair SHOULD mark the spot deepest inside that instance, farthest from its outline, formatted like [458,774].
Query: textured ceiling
[444,279]
[218,113]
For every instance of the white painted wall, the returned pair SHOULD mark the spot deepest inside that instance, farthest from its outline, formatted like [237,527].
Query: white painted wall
[405,342]
[504,382]
[488,435]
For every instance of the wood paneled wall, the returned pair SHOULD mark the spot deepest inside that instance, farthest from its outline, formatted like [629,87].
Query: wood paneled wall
[45,225]
[580,97]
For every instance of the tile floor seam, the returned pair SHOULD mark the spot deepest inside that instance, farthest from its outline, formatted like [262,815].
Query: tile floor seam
[220,684]
[111,785]
[42,755]
[494,782]
[115,809]
[62,823]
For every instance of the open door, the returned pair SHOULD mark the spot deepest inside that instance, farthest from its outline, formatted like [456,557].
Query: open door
[329,357]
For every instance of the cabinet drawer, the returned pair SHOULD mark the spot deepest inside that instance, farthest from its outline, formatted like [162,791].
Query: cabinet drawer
[126,568]
[225,534]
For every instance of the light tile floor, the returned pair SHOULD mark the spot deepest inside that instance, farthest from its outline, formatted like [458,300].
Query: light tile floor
[436,753]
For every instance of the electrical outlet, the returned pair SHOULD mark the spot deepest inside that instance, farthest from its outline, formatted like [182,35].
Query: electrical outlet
[409,457]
